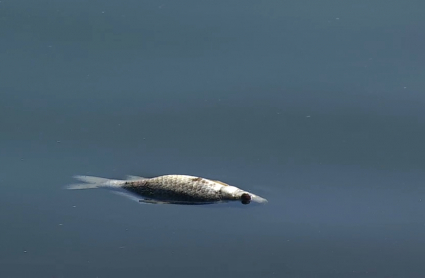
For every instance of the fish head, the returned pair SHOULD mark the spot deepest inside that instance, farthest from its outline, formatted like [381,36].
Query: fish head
[233,193]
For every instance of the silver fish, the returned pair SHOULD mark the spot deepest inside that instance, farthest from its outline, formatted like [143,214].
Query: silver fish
[171,189]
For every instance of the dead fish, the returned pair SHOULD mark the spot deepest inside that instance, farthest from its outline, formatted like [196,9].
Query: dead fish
[170,189]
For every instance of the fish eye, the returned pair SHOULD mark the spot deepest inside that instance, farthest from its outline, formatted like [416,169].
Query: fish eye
[245,198]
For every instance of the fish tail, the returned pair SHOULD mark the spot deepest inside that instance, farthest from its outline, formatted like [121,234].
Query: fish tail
[94,182]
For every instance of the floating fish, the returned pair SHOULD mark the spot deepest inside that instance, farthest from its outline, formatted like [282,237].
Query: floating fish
[170,189]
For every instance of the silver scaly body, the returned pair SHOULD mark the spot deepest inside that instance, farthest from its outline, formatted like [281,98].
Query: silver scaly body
[171,189]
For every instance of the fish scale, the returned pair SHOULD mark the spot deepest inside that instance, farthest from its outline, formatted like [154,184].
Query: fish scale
[175,187]
[170,189]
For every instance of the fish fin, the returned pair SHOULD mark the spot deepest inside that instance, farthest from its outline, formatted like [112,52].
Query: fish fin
[81,186]
[153,202]
[127,195]
[94,182]
[222,183]
[91,179]
[133,178]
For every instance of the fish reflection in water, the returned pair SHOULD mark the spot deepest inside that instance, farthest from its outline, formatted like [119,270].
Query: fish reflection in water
[171,189]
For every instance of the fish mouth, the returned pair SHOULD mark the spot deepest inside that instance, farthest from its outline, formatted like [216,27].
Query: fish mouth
[258,199]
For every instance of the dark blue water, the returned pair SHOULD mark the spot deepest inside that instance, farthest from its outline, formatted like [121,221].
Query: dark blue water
[316,106]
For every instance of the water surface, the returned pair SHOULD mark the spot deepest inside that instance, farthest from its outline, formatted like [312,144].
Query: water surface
[318,107]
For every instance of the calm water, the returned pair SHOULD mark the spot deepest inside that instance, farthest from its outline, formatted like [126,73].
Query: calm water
[318,107]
